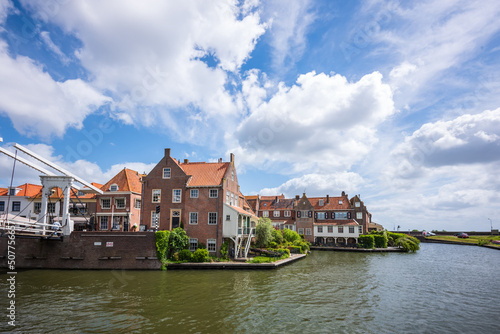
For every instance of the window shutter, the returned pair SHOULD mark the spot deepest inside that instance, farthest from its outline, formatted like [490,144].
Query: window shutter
[333,215]
[315,215]
[326,215]
[298,214]
[310,214]
[348,215]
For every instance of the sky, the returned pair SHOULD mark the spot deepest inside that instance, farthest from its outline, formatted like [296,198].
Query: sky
[396,101]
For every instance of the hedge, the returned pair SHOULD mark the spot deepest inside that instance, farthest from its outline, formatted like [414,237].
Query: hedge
[367,241]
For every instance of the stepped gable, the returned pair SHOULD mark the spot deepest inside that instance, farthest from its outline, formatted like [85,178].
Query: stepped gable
[204,174]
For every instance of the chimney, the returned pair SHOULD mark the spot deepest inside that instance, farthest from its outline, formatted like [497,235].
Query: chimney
[231,157]
[297,197]
[343,193]
[186,161]
[327,199]
[276,199]
[167,153]
[220,160]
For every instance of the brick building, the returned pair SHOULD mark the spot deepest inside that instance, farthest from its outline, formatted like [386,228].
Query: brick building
[119,207]
[202,197]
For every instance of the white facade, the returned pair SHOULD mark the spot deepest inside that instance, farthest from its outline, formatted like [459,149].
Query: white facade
[337,233]
[239,226]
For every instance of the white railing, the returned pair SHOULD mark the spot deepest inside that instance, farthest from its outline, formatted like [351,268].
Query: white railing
[33,228]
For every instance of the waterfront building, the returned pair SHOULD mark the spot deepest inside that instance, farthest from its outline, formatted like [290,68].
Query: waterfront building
[204,198]
[21,201]
[119,207]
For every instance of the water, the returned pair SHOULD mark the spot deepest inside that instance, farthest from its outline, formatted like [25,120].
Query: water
[440,289]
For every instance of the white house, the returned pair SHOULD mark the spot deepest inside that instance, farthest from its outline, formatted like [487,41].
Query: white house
[341,232]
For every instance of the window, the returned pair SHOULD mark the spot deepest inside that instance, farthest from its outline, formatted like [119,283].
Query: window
[232,175]
[193,244]
[265,213]
[105,203]
[321,215]
[155,219]
[340,201]
[341,229]
[104,223]
[351,229]
[228,217]
[16,206]
[51,208]
[113,187]
[232,199]
[308,231]
[2,206]
[137,203]
[235,200]
[80,193]
[156,195]
[176,195]
[12,191]
[211,245]
[276,213]
[340,215]
[194,193]
[37,207]
[212,218]
[214,193]
[304,214]
[330,229]
[227,197]
[321,202]
[288,213]
[166,173]
[320,229]
[359,215]
[116,223]
[357,204]
[301,231]
[193,218]
[120,203]
[360,229]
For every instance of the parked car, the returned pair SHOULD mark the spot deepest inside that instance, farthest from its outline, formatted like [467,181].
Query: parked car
[428,234]
[457,234]
[463,235]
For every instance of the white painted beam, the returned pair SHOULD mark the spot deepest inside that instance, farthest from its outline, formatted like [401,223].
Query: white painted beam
[26,162]
[58,168]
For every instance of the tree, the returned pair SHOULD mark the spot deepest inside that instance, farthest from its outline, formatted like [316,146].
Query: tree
[264,232]
[409,244]
[290,235]
[277,237]
[178,240]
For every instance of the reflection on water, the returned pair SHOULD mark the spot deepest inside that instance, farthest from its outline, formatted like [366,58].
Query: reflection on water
[442,288]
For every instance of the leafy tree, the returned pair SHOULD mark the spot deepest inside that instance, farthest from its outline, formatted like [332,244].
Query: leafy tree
[409,244]
[290,235]
[162,242]
[277,236]
[178,240]
[264,232]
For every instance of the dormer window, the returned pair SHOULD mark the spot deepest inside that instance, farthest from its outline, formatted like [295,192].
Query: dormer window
[321,202]
[12,192]
[113,187]
[340,202]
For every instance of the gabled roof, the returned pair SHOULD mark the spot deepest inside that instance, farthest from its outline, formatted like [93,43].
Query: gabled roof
[333,203]
[4,191]
[27,190]
[205,174]
[273,204]
[126,180]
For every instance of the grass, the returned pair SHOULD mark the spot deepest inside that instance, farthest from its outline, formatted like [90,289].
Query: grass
[473,239]
[265,259]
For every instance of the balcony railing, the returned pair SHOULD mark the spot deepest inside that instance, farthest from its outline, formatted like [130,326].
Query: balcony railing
[246,231]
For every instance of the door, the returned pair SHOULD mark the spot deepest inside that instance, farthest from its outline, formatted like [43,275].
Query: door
[175,218]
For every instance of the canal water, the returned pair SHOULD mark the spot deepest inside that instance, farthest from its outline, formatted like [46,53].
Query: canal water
[440,289]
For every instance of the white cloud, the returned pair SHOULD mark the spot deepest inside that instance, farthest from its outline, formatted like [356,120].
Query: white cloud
[154,59]
[5,7]
[38,105]
[45,35]
[317,185]
[323,123]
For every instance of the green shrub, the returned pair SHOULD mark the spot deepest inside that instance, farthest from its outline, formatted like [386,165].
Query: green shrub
[161,238]
[290,235]
[175,257]
[367,241]
[224,250]
[380,240]
[263,232]
[273,244]
[178,240]
[295,249]
[185,255]
[408,243]
[277,236]
[482,242]
[260,259]
[201,255]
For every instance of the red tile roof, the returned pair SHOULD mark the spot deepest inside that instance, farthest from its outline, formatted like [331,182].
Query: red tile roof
[4,191]
[333,203]
[240,210]
[29,190]
[126,180]
[205,174]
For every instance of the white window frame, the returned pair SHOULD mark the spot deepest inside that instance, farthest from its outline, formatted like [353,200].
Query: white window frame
[115,224]
[37,207]
[359,215]
[357,204]
[300,231]
[106,218]
[212,245]
[351,229]
[102,203]
[176,198]
[212,191]
[321,215]
[227,197]
[124,202]
[51,207]
[320,229]
[330,229]
[276,213]
[137,204]
[167,173]
[265,213]
[157,195]
[114,187]
[194,193]
[341,229]
[193,241]
[193,218]
[308,231]
[288,213]
[340,202]
[214,218]
[321,202]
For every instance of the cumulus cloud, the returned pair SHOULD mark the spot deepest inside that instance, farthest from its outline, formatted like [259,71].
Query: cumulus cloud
[322,123]
[38,105]
[5,7]
[163,61]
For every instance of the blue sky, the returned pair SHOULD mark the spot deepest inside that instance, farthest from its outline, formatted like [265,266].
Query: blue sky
[396,101]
